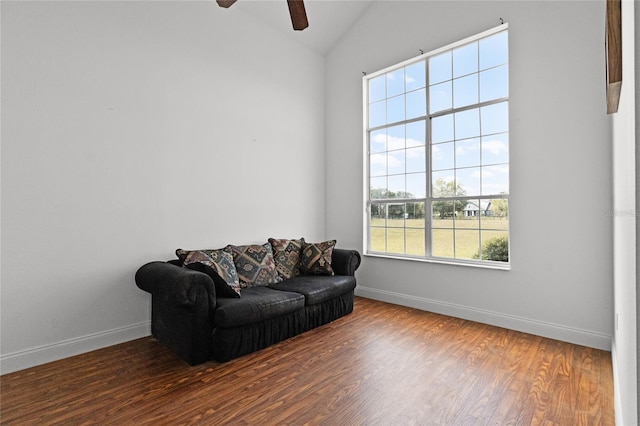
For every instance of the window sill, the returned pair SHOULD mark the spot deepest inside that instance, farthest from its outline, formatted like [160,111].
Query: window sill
[500,266]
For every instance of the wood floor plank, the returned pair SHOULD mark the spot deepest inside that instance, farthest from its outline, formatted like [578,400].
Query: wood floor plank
[382,365]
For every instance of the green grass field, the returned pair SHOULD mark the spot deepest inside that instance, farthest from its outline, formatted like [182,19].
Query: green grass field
[407,236]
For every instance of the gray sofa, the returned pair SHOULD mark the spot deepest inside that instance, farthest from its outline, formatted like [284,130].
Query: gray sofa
[198,324]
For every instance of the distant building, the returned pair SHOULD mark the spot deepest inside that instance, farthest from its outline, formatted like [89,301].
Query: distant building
[472,208]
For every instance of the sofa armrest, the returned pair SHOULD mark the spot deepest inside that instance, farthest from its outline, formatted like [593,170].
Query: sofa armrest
[345,262]
[175,284]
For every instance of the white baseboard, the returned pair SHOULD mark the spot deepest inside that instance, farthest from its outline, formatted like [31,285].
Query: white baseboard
[47,353]
[526,325]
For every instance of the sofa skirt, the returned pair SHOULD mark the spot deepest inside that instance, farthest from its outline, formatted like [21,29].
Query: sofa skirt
[230,343]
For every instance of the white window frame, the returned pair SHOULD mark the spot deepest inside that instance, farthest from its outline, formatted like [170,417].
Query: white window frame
[428,257]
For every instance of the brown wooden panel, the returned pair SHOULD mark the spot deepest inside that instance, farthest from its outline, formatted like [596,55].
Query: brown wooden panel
[614,54]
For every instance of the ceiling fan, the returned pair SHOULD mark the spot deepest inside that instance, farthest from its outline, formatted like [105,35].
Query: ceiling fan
[296,10]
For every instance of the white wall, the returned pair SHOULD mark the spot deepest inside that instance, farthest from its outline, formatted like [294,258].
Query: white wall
[560,284]
[131,129]
[624,352]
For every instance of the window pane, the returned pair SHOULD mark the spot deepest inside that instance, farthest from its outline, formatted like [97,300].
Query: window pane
[468,153]
[378,214]
[377,230]
[416,185]
[442,213]
[467,243]
[415,215]
[395,109]
[465,60]
[467,124]
[395,83]
[378,188]
[495,179]
[377,89]
[468,181]
[442,129]
[497,215]
[442,184]
[472,209]
[415,241]
[495,149]
[442,242]
[495,246]
[377,114]
[440,97]
[415,133]
[494,50]
[395,162]
[378,164]
[396,186]
[416,160]
[495,118]
[442,156]
[378,239]
[415,76]
[440,68]
[465,91]
[395,240]
[494,84]
[416,104]
[395,215]
[395,140]
[378,141]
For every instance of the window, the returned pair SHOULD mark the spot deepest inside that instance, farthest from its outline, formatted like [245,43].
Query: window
[437,154]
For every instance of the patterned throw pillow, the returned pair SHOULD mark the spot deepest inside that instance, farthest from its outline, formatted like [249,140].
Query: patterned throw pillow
[254,264]
[315,259]
[220,263]
[286,254]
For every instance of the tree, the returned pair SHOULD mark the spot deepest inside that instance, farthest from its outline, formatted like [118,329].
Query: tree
[499,208]
[496,249]
[396,210]
[443,188]
[415,210]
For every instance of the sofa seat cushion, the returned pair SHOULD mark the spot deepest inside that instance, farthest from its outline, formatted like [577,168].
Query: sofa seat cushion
[317,288]
[256,304]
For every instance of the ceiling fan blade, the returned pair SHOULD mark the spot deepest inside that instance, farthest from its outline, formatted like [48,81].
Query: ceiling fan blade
[298,14]
[225,3]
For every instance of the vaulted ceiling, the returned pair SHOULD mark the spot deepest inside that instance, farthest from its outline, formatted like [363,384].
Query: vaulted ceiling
[329,20]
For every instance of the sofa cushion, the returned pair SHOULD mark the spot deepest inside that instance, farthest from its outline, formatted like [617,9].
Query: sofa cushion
[286,254]
[317,289]
[222,288]
[256,304]
[254,264]
[219,265]
[316,257]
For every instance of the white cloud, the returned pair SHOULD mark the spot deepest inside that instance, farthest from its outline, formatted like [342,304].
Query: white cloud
[395,143]
[414,142]
[378,160]
[380,138]
[502,170]
[415,153]
[495,147]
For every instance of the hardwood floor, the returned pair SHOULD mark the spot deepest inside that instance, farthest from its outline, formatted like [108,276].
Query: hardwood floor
[382,365]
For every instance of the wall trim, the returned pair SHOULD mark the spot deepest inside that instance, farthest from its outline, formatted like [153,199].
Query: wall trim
[512,322]
[617,401]
[20,360]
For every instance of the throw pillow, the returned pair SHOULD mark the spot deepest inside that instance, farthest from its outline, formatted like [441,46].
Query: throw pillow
[286,254]
[315,258]
[254,264]
[218,264]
